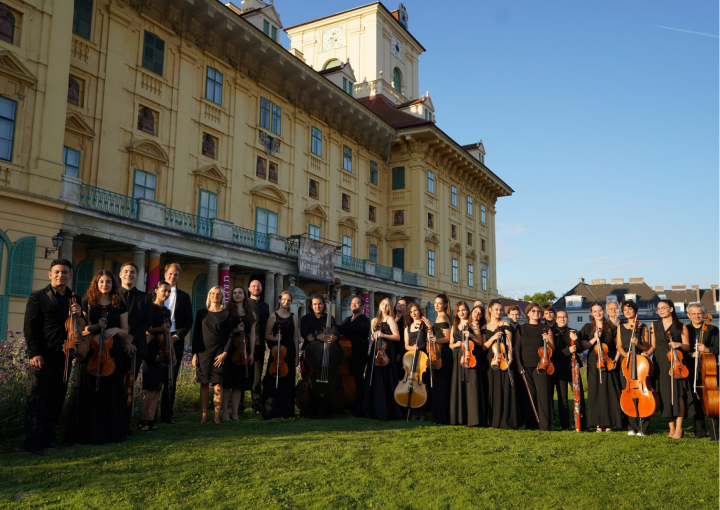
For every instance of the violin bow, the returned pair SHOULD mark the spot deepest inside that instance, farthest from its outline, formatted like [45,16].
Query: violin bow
[530,397]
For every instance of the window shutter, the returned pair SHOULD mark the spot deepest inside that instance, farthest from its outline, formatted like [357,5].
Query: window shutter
[3,316]
[199,295]
[83,276]
[82,18]
[21,267]
[398,177]
[398,258]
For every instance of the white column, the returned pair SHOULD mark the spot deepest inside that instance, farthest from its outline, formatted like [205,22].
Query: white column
[212,274]
[270,290]
[279,287]
[139,261]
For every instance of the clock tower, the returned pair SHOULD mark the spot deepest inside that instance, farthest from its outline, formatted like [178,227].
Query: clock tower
[382,52]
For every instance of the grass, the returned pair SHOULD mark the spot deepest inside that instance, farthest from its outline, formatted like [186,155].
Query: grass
[350,462]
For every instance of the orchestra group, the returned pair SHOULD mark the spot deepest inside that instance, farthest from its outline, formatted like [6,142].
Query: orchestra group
[469,366]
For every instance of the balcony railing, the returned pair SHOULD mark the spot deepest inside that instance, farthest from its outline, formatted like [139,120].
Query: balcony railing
[353,264]
[410,278]
[250,238]
[107,201]
[178,220]
[291,247]
[384,272]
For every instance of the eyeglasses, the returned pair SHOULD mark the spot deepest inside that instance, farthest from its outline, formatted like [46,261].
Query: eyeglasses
[534,311]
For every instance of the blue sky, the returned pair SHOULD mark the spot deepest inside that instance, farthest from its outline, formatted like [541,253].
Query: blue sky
[604,124]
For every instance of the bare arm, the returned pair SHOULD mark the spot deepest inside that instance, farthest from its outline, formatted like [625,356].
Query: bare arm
[394,331]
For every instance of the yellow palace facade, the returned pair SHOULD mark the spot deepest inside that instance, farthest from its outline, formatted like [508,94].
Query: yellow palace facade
[165,131]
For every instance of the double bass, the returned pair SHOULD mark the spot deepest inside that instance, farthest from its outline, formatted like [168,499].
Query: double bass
[321,393]
[411,391]
[638,399]
[545,366]
[101,363]
[706,364]
[75,344]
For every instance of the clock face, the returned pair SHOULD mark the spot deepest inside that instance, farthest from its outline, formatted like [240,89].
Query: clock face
[396,47]
[333,38]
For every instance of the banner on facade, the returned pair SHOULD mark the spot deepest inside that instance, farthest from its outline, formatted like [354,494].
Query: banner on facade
[316,260]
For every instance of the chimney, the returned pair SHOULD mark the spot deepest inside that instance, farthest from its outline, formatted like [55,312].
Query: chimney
[582,280]
[697,292]
[597,282]
[678,287]
[714,291]
[659,288]
[617,281]
[637,280]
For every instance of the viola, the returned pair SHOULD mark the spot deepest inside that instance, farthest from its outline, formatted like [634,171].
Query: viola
[411,392]
[708,374]
[75,344]
[638,399]
[321,392]
[468,359]
[101,363]
[603,360]
[545,366]
[499,361]
[575,369]
[278,366]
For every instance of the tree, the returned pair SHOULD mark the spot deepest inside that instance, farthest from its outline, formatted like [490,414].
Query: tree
[541,298]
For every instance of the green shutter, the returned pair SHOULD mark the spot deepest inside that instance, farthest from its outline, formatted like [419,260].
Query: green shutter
[199,293]
[398,177]
[84,276]
[82,18]
[21,267]
[4,301]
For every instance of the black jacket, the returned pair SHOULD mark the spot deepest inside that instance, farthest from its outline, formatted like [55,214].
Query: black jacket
[45,320]
[312,326]
[140,315]
[183,314]
[263,311]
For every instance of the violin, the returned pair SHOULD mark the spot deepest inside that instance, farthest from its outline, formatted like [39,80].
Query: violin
[601,349]
[638,399]
[381,357]
[499,361]
[433,349]
[240,355]
[708,374]
[101,364]
[545,366]
[678,369]
[75,344]
[322,392]
[468,359]
[166,353]
[411,392]
[278,366]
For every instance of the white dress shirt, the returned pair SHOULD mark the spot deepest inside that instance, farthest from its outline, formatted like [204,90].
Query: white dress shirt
[170,305]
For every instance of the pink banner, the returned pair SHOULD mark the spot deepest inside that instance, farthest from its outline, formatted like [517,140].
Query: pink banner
[366,300]
[225,283]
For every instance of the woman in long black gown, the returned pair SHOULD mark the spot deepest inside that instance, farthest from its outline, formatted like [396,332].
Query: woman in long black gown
[239,377]
[440,377]
[399,314]
[676,395]
[467,400]
[504,408]
[539,385]
[380,382]
[211,345]
[279,402]
[415,341]
[95,416]
[155,375]
[603,396]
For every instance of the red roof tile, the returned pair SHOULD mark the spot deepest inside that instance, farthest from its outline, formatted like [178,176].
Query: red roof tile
[410,103]
[386,110]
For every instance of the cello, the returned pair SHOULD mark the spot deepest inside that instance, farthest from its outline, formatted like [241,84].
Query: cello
[321,393]
[638,399]
[545,366]
[706,364]
[75,344]
[677,370]
[411,392]
[101,363]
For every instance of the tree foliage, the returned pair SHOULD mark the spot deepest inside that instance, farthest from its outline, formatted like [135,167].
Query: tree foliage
[541,298]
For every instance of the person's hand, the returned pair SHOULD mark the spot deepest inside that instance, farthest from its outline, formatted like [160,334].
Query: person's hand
[645,354]
[702,348]
[331,338]
[415,347]
[101,323]
[129,346]
[573,336]
[109,333]
[219,359]
[75,309]
[617,357]
[675,345]
[194,361]
[572,349]
[174,338]
[522,370]
[634,340]
[37,362]
[546,337]
[250,359]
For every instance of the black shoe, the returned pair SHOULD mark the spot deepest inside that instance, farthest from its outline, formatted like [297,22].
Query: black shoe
[169,421]
[36,451]
[57,446]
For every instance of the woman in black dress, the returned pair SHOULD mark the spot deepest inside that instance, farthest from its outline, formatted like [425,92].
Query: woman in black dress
[440,377]
[676,395]
[399,314]
[95,414]
[278,394]
[603,395]
[504,407]
[380,382]
[539,386]
[467,401]
[211,344]
[415,341]
[155,375]
[623,340]
[239,377]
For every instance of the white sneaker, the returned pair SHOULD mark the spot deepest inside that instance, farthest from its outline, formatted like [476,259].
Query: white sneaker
[640,434]
[632,433]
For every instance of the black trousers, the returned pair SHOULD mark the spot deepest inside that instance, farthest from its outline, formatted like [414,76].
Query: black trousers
[45,396]
[638,424]
[357,370]
[258,363]
[541,394]
[167,399]
[700,430]
[560,381]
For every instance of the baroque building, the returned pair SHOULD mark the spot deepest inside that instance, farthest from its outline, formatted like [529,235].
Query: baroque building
[188,134]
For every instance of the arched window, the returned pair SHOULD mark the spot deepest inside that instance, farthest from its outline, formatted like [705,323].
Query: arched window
[83,276]
[397,80]
[332,63]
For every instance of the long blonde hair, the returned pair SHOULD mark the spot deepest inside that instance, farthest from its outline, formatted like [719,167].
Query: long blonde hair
[380,317]
[222,293]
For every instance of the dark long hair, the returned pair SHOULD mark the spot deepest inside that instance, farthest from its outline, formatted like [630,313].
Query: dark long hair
[456,317]
[248,308]
[676,322]
[446,302]
[93,291]
[154,290]
[408,319]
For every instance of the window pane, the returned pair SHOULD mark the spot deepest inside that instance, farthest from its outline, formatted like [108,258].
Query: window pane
[6,129]
[7,108]
[150,180]
[138,192]
[272,223]
[140,178]
[72,158]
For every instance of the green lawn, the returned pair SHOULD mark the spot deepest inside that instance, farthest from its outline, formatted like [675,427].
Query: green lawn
[357,463]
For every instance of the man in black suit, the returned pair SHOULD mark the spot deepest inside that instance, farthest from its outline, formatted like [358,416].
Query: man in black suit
[45,315]
[139,305]
[181,322]
[263,311]
[357,329]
